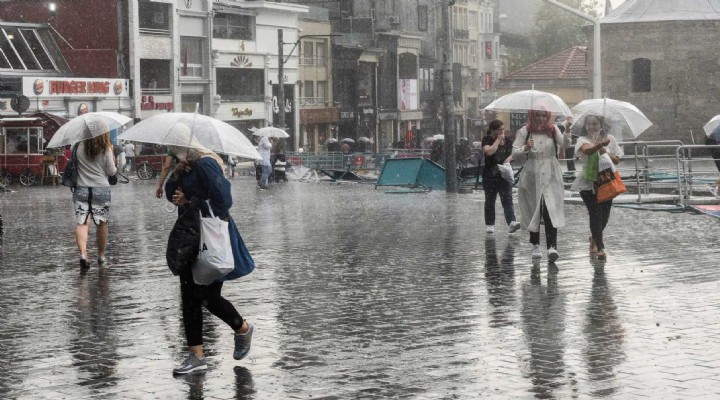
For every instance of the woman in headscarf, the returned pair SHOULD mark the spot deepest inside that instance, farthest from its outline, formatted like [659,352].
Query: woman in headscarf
[95,162]
[593,138]
[540,188]
[198,178]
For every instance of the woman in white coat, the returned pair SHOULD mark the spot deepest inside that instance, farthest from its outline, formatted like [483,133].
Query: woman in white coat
[540,190]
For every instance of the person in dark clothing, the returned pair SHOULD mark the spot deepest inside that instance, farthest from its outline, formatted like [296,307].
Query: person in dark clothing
[198,178]
[497,150]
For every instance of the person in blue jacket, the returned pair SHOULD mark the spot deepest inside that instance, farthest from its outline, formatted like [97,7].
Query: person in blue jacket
[197,178]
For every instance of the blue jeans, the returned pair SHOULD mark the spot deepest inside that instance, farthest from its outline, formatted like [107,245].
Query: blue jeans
[266,170]
[492,185]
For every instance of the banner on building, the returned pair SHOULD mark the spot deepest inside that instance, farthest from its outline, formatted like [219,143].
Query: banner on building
[407,94]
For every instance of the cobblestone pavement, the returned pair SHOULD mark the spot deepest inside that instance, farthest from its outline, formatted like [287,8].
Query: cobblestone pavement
[361,294]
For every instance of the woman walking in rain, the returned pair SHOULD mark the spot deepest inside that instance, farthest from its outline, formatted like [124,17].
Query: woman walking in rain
[95,162]
[198,178]
[540,189]
[594,139]
[497,151]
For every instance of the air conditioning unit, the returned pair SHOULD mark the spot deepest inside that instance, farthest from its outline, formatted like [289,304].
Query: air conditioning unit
[394,19]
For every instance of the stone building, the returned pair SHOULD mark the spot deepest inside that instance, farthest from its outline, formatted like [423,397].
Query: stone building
[661,55]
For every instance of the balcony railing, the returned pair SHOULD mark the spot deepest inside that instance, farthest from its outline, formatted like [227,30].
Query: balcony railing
[156,90]
[319,61]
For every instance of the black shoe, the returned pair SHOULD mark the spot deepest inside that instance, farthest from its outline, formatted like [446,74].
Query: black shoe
[84,264]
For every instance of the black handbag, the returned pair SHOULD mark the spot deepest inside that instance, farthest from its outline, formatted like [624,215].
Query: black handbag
[112,179]
[184,241]
[69,177]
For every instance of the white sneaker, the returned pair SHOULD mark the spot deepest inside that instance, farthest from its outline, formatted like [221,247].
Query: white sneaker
[489,228]
[536,252]
[513,227]
[553,254]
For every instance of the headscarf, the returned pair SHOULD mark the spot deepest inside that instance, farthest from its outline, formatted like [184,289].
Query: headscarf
[192,154]
[548,128]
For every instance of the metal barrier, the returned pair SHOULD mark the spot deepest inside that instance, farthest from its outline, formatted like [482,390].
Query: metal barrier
[686,175]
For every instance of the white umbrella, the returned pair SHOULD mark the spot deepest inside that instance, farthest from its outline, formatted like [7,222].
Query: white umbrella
[271,132]
[622,119]
[347,140]
[87,126]
[331,140]
[194,131]
[711,128]
[365,139]
[439,136]
[526,100]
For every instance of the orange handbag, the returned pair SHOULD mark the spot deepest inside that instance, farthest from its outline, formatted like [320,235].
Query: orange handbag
[609,185]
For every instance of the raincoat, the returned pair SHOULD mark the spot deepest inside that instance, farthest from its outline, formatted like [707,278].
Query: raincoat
[541,177]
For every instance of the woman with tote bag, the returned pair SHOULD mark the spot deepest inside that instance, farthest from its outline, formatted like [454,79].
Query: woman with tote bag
[196,183]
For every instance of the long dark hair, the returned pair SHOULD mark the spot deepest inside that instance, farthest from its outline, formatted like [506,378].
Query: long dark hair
[493,126]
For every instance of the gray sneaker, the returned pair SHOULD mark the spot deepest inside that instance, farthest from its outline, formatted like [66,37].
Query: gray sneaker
[242,343]
[513,227]
[191,364]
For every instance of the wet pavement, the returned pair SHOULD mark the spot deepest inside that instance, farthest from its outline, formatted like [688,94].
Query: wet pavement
[361,294]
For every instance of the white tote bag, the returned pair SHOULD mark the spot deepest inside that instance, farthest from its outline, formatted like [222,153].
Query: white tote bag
[216,257]
[507,173]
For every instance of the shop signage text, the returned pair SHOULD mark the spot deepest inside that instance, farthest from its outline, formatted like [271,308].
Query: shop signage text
[75,87]
[148,103]
[241,113]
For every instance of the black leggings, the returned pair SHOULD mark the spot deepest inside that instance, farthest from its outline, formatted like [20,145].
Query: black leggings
[194,297]
[599,216]
[550,230]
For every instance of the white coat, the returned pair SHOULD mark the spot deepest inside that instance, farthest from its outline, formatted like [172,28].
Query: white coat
[540,178]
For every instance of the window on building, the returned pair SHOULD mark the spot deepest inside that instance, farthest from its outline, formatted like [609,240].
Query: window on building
[641,74]
[321,53]
[240,84]
[154,17]
[422,18]
[190,100]
[308,90]
[488,50]
[233,26]
[307,52]
[155,76]
[321,91]
[473,54]
[191,56]
[472,19]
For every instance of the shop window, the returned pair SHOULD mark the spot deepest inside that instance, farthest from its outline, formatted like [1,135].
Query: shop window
[240,84]
[641,73]
[233,26]
[407,66]
[155,76]
[154,17]
[189,101]
[191,56]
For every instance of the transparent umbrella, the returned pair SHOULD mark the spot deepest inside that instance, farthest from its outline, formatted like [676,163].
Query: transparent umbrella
[712,128]
[621,119]
[271,132]
[87,126]
[331,140]
[365,139]
[526,100]
[347,140]
[194,131]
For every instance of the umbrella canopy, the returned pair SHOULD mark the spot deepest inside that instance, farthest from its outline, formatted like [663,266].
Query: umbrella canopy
[365,139]
[331,140]
[526,100]
[439,136]
[347,140]
[712,128]
[194,131]
[87,126]
[622,119]
[271,132]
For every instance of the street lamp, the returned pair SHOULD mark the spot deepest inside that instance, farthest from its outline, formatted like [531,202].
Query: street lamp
[597,73]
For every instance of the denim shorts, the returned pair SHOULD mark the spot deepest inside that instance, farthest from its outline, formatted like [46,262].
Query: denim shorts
[95,201]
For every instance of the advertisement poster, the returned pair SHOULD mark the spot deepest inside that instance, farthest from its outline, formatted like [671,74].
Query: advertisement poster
[407,94]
